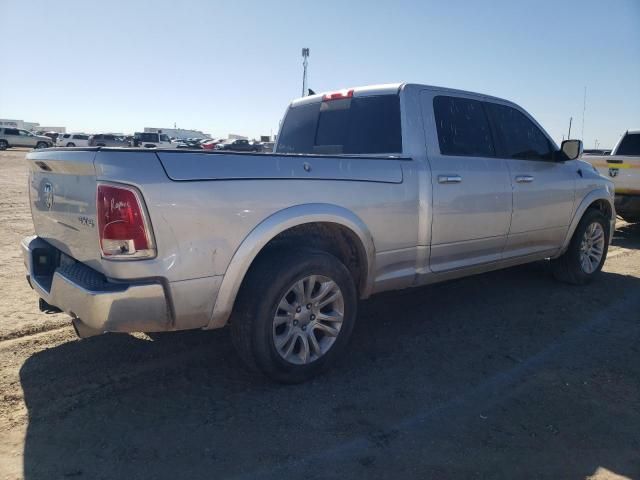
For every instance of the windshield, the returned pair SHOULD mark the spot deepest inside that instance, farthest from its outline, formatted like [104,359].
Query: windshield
[630,145]
[358,125]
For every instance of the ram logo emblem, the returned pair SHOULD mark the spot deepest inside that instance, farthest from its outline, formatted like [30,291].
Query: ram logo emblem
[47,193]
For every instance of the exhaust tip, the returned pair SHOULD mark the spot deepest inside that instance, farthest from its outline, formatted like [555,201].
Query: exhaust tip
[84,331]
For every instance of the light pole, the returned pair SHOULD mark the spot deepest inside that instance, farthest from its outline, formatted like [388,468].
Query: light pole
[305,56]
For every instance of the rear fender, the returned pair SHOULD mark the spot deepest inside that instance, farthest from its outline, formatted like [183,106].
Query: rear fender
[269,229]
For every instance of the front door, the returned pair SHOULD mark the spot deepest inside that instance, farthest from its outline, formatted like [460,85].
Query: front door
[27,139]
[472,197]
[543,188]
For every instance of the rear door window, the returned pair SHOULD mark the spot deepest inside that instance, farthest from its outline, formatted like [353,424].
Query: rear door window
[357,125]
[11,131]
[462,126]
[518,136]
[148,137]
[630,145]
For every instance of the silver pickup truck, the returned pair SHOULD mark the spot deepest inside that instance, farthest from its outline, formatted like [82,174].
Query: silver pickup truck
[369,189]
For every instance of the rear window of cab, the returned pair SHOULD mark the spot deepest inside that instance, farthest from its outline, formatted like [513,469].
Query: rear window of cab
[354,125]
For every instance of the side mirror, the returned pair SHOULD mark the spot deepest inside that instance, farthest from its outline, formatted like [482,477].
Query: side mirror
[571,149]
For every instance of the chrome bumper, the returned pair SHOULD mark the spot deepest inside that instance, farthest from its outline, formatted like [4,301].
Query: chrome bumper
[85,294]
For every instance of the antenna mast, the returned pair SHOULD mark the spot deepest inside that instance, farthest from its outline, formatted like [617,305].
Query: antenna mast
[584,107]
[305,56]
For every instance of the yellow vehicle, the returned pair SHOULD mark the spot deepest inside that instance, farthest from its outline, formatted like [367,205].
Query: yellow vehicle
[623,167]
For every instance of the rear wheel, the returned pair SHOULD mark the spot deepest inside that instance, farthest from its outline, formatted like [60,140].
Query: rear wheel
[71,144]
[587,250]
[294,314]
[3,145]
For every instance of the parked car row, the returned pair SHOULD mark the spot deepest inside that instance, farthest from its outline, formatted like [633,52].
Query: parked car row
[14,137]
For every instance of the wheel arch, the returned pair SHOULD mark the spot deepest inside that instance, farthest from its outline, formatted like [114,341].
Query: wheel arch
[287,225]
[596,199]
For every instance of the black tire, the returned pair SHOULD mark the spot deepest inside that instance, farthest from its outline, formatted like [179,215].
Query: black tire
[40,145]
[266,283]
[71,144]
[567,267]
[4,145]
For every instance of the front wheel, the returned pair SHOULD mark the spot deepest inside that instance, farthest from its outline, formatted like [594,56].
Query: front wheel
[587,250]
[294,314]
[71,144]
[42,145]
[3,145]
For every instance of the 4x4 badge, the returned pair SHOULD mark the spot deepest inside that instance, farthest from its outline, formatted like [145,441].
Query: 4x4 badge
[613,172]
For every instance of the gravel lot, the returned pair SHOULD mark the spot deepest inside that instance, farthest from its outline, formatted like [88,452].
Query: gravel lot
[502,375]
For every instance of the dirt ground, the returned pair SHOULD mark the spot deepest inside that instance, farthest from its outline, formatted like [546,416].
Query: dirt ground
[503,375]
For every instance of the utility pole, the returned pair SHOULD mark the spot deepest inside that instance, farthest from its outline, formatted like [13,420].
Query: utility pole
[570,120]
[305,56]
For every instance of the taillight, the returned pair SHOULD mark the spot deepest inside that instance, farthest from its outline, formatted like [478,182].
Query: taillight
[337,95]
[122,223]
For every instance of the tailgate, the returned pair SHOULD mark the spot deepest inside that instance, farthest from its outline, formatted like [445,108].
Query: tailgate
[62,193]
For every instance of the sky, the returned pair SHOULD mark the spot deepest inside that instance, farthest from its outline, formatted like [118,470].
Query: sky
[233,66]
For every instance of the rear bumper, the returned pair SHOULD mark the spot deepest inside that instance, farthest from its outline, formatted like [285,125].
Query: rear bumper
[86,295]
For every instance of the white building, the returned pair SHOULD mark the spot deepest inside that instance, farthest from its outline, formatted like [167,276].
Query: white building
[177,132]
[52,129]
[31,126]
[5,122]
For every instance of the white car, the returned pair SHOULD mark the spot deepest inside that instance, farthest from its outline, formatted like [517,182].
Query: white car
[153,140]
[72,140]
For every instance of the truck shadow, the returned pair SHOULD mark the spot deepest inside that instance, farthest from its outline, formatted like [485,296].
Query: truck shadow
[500,375]
[627,235]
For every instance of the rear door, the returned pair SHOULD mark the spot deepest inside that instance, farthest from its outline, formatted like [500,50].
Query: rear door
[81,140]
[471,186]
[12,135]
[543,189]
[165,141]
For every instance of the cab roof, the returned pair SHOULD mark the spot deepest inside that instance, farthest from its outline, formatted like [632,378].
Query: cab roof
[389,89]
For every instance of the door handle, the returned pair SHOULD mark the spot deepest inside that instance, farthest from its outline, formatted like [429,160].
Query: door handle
[524,178]
[449,178]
